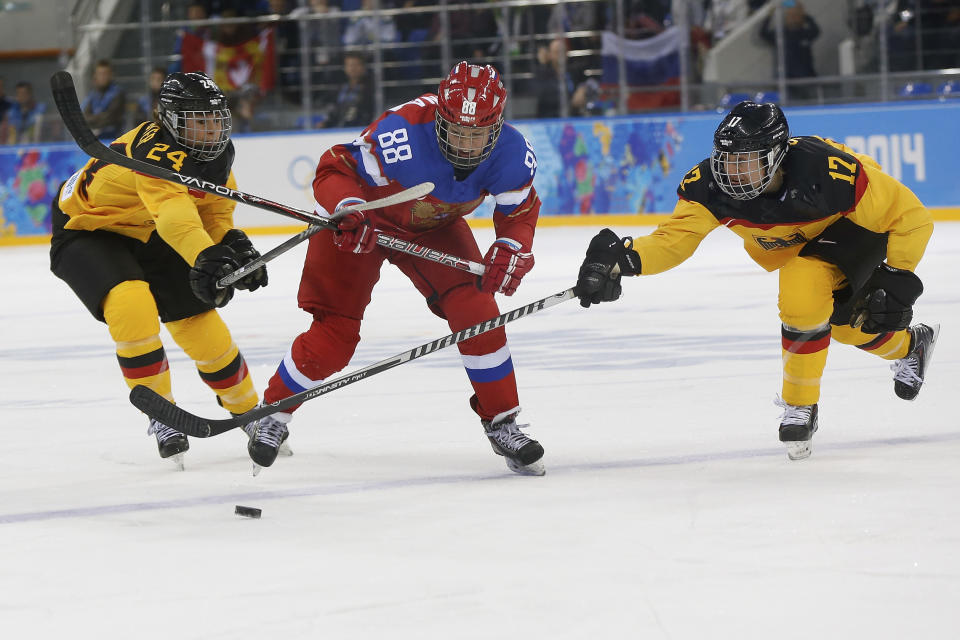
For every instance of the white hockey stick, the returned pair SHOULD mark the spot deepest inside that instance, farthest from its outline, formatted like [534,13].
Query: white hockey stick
[65,97]
[414,192]
[158,407]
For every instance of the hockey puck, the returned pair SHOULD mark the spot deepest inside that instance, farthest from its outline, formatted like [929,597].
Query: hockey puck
[247,512]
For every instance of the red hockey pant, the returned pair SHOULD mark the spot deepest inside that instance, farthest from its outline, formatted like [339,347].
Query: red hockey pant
[336,288]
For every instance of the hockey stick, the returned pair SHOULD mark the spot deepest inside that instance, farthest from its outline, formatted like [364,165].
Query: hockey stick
[65,97]
[159,408]
[414,192]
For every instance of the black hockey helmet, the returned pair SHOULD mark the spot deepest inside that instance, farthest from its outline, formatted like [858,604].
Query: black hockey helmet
[748,147]
[194,110]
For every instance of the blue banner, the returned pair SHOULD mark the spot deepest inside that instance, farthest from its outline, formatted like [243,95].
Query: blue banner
[30,177]
[632,165]
[623,165]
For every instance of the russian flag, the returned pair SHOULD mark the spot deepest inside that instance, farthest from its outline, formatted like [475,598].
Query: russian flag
[653,61]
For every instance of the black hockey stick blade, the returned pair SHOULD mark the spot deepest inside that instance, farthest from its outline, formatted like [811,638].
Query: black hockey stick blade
[159,408]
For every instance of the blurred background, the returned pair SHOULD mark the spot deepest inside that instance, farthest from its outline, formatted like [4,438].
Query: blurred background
[309,64]
[618,97]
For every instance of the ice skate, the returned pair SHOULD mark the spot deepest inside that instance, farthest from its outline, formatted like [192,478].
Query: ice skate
[522,453]
[909,371]
[797,426]
[284,449]
[267,436]
[171,443]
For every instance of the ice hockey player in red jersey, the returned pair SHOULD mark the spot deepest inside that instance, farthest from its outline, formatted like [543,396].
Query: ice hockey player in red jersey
[845,237]
[458,140]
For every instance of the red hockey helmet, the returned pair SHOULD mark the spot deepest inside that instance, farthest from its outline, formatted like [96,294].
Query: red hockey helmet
[470,114]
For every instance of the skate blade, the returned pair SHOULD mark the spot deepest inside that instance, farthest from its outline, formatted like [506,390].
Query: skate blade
[256,469]
[177,460]
[285,449]
[927,359]
[532,469]
[799,450]
[929,354]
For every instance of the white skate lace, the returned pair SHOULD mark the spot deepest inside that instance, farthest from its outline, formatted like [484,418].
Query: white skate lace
[907,370]
[163,432]
[270,432]
[509,436]
[793,414]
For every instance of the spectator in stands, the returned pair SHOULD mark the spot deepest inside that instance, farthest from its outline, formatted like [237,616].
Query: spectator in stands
[195,11]
[243,99]
[473,31]
[325,38]
[234,34]
[5,102]
[552,84]
[104,105]
[354,103]
[147,103]
[408,23]
[722,16]
[940,21]
[936,23]
[645,18]
[799,32]
[588,99]
[366,29]
[287,43]
[25,117]
[417,28]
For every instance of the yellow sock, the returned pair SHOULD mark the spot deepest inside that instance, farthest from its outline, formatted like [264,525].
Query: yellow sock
[206,339]
[131,316]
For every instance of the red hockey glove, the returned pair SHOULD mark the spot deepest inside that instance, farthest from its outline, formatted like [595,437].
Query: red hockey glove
[355,233]
[506,264]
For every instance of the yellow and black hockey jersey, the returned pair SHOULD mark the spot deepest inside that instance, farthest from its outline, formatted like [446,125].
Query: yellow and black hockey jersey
[116,199]
[824,181]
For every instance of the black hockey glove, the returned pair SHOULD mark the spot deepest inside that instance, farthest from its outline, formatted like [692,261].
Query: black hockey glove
[597,281]
[887,303]
[241,245]
[212,264]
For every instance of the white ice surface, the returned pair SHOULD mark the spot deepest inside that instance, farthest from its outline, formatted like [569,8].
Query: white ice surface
[669,509]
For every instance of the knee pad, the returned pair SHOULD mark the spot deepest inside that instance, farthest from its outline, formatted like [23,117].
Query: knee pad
[806,292]
[203,337]
[325,348]
[131,312]
[465,306]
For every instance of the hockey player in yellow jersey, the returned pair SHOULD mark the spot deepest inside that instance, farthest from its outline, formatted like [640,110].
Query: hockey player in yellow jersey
[138,250]
[845,237]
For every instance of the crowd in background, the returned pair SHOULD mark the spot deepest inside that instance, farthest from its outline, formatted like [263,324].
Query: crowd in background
[340,61]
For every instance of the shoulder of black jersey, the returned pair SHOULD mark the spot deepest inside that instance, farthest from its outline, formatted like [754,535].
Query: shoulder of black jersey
[823,175]
[695,185]
[217,170]
[155,145]
[151,143]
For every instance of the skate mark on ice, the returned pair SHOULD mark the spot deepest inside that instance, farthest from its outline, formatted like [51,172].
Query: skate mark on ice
[392,485]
